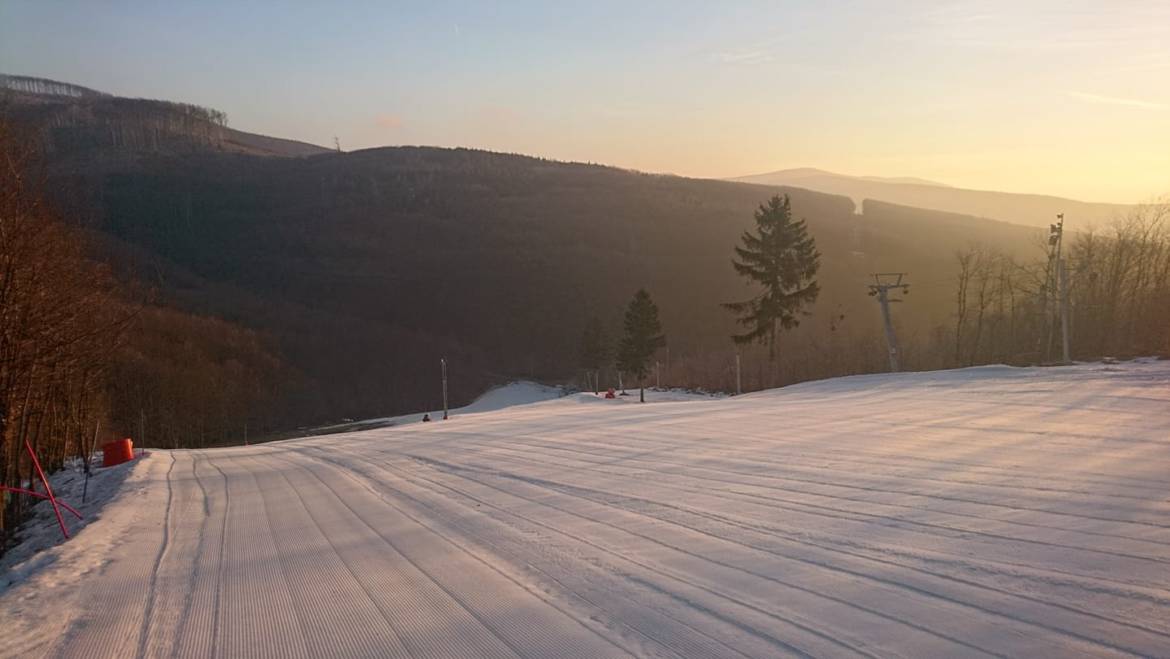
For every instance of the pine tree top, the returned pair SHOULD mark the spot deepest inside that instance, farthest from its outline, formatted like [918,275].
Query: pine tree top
[643,335]
[782,258]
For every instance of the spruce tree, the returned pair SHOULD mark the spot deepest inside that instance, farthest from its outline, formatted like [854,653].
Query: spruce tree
[782,257]
[643,336]
[595,351]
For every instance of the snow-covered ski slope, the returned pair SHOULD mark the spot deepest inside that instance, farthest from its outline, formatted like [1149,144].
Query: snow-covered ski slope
[521,392]
[988,511]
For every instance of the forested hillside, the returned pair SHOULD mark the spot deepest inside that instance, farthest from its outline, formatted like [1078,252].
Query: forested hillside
[336,281]
[81,126]
[368,266]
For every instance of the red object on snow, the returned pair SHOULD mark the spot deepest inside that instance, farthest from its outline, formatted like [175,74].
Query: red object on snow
[610,393]
[117,452]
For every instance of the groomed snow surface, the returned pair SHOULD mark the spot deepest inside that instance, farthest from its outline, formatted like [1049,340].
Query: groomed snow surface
[987,511]
[509,395]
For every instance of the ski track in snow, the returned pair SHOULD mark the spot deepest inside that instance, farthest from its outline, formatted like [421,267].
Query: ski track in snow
[979,512]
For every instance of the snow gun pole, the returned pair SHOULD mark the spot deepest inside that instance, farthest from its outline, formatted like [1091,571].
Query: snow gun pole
[443,366]
[738,378]
[1054,283]
[1062,272]
[89,458]
[45,481]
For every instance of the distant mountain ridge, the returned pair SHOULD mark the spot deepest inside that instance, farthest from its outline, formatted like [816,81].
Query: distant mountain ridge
[1026,209]
[812,173]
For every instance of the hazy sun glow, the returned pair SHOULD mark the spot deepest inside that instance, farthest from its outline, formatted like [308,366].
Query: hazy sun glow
[1061,97]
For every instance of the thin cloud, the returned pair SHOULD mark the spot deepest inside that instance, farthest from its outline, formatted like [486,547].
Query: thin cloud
[1116,100]
[748,56]
[388,121]
[495,117]
[756,51]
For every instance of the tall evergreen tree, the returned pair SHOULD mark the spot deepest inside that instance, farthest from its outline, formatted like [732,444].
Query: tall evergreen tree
[643,336]
[595,351]
[782,257]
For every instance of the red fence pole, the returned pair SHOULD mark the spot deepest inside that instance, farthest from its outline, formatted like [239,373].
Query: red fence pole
[38,495]
[52,499]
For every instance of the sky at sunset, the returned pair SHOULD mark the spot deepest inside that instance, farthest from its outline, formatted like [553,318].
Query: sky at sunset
[1068,98]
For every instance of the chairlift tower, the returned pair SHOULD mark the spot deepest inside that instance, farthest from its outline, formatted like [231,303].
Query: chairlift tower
[883,283]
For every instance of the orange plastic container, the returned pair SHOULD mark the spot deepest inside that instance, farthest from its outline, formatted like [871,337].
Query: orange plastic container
[117,452]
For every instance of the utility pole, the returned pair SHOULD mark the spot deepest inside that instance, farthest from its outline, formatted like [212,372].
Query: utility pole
[443,366]
[883,283]
[657,375]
